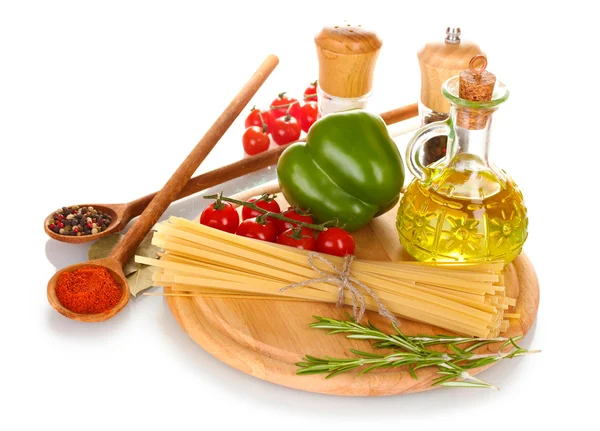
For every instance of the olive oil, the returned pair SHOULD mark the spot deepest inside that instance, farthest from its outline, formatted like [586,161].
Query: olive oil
[462,208]
[463,215]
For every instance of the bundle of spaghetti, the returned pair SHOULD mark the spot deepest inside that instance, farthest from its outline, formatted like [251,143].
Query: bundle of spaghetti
[198,260]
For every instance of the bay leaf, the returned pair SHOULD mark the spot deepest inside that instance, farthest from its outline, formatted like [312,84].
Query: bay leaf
[146,248]
[104,246]
[131,267]
[140,280]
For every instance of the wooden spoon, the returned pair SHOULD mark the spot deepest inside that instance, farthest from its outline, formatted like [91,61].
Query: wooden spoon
[121,214]
[162,200]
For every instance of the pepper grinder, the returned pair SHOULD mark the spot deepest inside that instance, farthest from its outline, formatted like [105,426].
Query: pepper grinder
[347,56]
[440,61]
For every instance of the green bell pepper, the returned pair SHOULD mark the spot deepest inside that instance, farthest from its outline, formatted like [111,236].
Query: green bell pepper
[349,170]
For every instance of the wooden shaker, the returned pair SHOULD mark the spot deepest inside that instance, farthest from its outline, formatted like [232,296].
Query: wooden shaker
[440,61]
[347,55]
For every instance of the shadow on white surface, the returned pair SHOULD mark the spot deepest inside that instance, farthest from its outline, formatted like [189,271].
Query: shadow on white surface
[86,332]
[61,254]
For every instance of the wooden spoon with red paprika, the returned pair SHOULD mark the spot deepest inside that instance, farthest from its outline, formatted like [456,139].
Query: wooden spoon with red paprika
[160,202]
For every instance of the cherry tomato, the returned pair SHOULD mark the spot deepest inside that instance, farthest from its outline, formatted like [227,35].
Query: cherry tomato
[224,217]
[310,94]
[285,130]
[271,206]
[335,241]
[308,115]
[281,105]
[250,228]
[255,140]
[254,119]
[302,239]
[291,213]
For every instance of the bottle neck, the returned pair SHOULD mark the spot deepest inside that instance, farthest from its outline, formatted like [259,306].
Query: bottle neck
[472,131]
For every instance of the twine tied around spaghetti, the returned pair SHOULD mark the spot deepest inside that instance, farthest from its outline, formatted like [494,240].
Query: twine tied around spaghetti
[345,282]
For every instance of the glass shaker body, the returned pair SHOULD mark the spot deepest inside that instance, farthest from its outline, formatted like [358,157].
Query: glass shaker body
[328,104]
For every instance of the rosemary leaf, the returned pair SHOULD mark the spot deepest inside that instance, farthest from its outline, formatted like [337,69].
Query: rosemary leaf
[372,367]
[463,384]
[340,371]
[441,380]
[365,354]
[411,370]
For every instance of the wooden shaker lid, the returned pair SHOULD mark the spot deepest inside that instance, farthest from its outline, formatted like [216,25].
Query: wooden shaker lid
[347,55]
[475,84]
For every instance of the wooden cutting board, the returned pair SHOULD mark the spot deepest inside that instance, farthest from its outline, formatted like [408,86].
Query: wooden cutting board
[265,338]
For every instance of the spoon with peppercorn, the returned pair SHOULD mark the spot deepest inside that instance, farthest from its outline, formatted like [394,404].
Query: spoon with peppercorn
[83,223]
[113,264]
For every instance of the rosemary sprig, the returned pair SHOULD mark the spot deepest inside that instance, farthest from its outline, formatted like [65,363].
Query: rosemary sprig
[410,351]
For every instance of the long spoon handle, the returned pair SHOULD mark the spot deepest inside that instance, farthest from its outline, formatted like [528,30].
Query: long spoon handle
[248,165]
[179,179]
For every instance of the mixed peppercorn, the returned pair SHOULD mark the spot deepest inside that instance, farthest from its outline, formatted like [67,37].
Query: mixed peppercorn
[78,221]
[434,148]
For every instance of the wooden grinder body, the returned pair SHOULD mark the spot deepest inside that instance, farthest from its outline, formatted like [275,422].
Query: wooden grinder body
[440,61]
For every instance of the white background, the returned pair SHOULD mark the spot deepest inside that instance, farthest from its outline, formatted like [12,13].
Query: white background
[101,101]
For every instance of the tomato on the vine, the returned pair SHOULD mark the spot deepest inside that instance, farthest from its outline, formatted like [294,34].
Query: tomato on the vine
[250,228]
[283,104]
[286,130]
[258,117]
[291,213]
[222,216]
[309,114]
[299,238]
[310,94]
[255,140]
[335,241]
[270,205]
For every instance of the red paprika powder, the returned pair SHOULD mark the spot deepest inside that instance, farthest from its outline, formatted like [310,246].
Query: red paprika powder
[88,290]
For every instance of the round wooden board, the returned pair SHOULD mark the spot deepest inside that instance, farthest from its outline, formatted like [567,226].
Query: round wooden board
[265,338]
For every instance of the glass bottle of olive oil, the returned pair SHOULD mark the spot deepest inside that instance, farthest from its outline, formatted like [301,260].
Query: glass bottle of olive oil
[462,208]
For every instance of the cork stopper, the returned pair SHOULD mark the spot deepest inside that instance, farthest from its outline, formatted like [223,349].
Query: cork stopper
[477,85]
[440,61]
[347,55]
